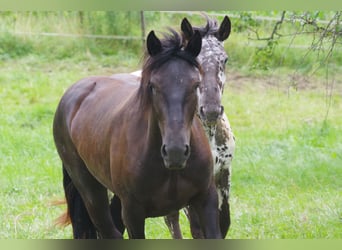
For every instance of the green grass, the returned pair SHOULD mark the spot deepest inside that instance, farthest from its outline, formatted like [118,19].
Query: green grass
[287,169]
[286,172]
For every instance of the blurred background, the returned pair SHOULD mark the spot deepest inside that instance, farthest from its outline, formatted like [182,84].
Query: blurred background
[260,39]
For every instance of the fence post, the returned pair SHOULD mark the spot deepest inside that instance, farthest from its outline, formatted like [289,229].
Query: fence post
[143,31]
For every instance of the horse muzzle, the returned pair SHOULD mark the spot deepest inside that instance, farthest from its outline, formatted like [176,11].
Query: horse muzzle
[175,157]
[211,113]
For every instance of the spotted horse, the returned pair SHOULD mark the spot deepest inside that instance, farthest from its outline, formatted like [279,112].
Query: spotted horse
[213,59]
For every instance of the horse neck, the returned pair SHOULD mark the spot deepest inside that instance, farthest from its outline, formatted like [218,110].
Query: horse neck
[147,119]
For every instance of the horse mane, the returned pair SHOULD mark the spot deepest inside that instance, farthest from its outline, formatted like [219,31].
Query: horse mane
[210,28]
[172,47]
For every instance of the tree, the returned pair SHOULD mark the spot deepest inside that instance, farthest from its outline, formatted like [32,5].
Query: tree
[325,34]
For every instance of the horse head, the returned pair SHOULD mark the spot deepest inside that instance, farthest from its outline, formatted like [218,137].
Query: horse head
[172,76]
[213,59]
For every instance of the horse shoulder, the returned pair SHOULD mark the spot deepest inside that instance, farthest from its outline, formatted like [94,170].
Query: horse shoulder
[98,121]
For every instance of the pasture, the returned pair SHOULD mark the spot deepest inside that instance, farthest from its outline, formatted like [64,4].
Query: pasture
[287,168]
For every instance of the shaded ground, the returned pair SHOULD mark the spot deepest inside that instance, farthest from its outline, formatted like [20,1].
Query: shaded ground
[294,81]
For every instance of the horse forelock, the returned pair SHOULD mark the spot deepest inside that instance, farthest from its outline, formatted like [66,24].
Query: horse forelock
[172,48]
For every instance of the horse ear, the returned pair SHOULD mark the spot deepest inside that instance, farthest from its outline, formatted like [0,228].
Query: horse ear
[195,44]
[153,44]
[224,30]
[187,29]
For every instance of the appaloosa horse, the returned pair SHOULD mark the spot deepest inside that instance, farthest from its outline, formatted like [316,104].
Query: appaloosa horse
[142,142]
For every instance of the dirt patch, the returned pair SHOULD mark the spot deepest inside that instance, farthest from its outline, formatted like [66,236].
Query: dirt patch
[240,81]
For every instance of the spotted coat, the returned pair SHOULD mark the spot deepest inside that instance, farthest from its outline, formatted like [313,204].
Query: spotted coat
[222,144]
[222,141]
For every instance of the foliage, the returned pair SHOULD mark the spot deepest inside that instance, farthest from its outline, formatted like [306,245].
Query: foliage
[290,39]
[325,36]
[245,22]
[13,46]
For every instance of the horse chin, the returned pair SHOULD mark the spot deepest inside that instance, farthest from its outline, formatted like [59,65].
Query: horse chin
[174,166]
[209,122]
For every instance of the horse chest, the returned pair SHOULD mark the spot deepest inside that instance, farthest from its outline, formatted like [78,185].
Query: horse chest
[222,144]
[171,193]
[222,157]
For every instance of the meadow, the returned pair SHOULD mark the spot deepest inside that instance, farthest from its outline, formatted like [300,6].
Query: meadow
[287,168]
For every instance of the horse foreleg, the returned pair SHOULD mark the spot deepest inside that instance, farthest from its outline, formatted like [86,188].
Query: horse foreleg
[134,220]
[195,226]
[224,217]
[115,210]
[172,222]
[222,182]
[208,213]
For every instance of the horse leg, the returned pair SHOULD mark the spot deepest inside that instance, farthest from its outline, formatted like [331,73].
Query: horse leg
[86,197]
[134,219]
[195,226]
[94,196]
[172,222]
[115,210]
[224,216]
[223,185]
[83,228]
[207,209]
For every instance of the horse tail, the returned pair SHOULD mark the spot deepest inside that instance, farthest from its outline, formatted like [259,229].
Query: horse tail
[64,219]
[76,213]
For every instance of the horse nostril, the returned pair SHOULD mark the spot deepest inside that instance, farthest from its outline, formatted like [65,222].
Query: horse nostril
[163,151]
[187,150]
[222,110]
[202,111]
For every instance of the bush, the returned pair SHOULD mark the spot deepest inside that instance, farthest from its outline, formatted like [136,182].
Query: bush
[13,46]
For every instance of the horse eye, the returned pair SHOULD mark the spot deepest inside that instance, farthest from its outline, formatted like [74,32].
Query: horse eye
[225,60]
[196,86]
[152,88]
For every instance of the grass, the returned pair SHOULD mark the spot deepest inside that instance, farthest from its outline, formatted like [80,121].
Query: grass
[287,169]
[286,172]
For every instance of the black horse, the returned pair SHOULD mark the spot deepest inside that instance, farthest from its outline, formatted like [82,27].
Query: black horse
[142,142]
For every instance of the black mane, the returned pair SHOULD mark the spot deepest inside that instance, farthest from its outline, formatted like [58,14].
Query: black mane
[210,28]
